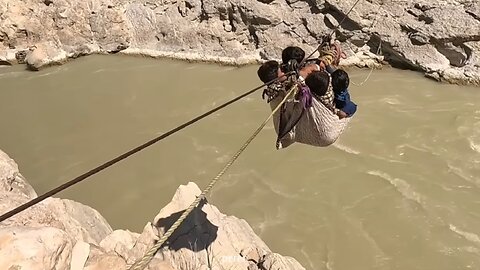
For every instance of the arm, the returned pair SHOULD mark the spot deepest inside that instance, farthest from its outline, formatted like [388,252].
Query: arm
[307,70]
[330,69]
[331,54]
[341,114]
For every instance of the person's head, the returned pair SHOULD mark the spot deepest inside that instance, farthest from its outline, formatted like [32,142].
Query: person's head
[292,52]
[269,71]
[318,81]
[340,80]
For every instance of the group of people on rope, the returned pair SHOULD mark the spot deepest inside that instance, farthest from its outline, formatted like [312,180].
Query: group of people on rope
[318,78]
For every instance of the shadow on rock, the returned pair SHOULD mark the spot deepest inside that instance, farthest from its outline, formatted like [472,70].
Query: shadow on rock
[196,232]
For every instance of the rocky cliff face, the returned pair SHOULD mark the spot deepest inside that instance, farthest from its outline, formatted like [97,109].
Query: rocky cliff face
[65,235]
[438,37]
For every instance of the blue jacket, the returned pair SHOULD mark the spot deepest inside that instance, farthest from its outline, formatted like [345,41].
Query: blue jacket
[342,101]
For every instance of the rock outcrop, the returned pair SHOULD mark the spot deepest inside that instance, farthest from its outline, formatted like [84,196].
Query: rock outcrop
[34,248]
[419,35]
[62,234]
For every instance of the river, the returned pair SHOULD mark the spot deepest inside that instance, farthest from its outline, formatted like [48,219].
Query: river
[399,190]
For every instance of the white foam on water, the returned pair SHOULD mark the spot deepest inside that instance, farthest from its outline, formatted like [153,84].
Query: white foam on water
[460,173]
[99,70]
[474,145]
[401,186]
[270,221]
[470,250]
[472,237]
[249,99]
[391,101]
[443,110]
[471,131]
[364,198]
[475,138]
[346,149]
[53,72]
[279,192]
[421,148]
[307,258]
[389,159]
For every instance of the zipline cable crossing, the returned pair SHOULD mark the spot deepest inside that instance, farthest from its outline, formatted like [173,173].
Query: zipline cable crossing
[145,260]
[127,154]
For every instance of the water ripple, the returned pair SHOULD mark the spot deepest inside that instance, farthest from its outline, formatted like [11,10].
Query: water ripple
[401,186]
[472,237]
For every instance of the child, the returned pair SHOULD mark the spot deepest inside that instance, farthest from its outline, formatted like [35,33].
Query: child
[330,54]
[340,83]
[268,72]
[319,84]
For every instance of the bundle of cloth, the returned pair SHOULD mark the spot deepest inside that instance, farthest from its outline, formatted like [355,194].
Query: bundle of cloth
[320,108]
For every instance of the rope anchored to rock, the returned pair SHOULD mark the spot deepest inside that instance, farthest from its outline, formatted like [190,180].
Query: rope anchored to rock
[145,260]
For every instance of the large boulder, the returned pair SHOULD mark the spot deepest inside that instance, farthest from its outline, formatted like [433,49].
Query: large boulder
[34,248]
[98,259]
[62,234]
[207,239]
[11,181]
[45,54]
[77,220]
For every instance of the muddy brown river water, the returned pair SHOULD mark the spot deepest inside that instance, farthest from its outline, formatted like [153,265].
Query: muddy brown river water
[399,190]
